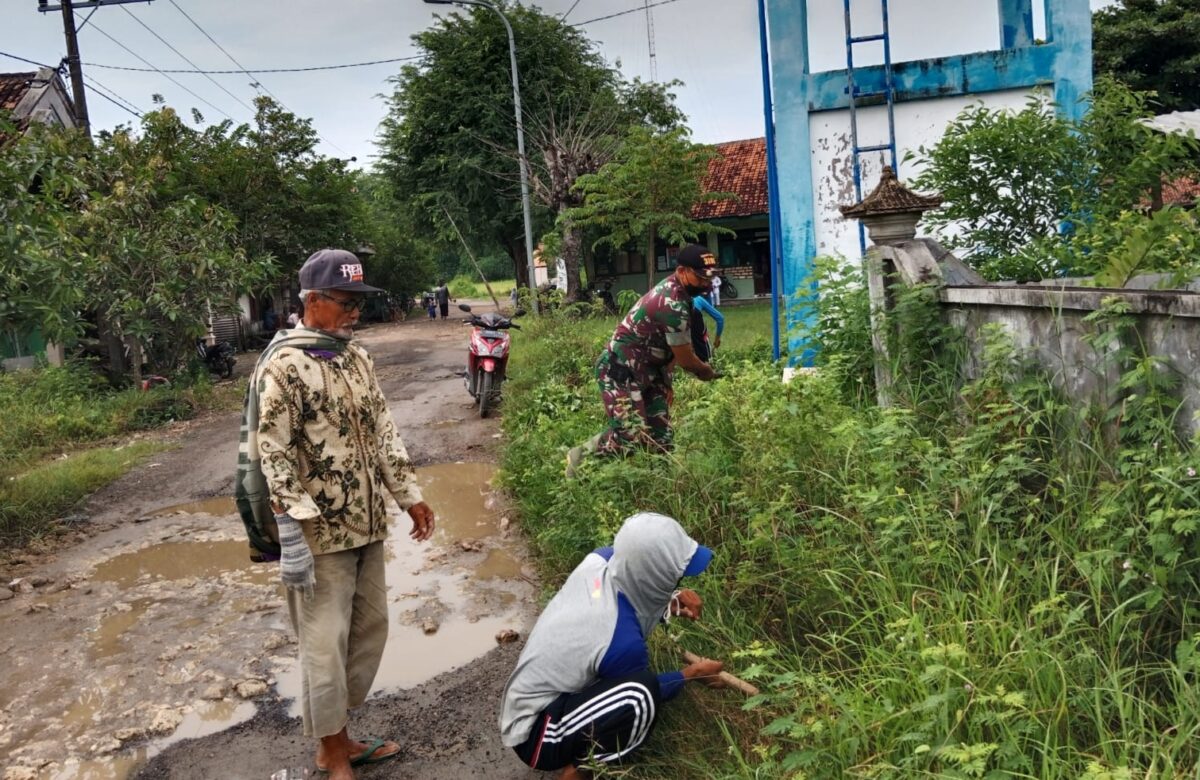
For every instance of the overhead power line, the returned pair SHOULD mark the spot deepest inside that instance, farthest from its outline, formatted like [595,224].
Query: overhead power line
[641,9]
[257,83]
[569,10]
[168,77]
[22,59]
[115,99]
[254,72]
[183,57]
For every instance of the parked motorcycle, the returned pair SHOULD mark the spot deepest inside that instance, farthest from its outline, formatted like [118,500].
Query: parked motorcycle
[487,355]
[218,357]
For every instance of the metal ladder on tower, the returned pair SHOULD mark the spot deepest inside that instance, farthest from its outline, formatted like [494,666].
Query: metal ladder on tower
[888,93]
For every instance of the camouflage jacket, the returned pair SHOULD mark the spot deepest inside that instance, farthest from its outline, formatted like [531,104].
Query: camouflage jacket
[658,321]
[330,450]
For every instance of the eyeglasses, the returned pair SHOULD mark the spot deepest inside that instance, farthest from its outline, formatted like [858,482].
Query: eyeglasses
[351,304]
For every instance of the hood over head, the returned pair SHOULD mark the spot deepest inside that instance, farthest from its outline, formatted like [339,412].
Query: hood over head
[651,553]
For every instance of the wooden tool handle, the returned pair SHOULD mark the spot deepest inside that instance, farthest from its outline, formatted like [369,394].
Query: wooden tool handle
[728,679]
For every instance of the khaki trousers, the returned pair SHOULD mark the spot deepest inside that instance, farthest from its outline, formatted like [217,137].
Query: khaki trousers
[342,631]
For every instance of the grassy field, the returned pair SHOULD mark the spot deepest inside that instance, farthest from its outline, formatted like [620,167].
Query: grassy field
[468,287]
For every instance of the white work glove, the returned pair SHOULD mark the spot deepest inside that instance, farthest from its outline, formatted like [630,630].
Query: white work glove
[297,569]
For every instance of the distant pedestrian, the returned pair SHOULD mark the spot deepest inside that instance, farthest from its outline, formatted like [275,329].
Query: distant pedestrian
[714,295]
[293,318]
[442,293]
[431,305]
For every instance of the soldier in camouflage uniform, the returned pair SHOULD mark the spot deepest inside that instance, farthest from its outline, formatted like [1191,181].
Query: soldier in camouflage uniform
[634,371]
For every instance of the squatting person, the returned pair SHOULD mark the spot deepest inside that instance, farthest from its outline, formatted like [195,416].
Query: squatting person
[583,690]
[635,370]
[329,453]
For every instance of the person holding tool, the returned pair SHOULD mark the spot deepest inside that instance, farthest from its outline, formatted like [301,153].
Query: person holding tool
[583,688]
[700,343]
[635,369]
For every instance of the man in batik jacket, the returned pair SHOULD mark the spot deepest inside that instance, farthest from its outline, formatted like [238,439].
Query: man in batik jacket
[331,455]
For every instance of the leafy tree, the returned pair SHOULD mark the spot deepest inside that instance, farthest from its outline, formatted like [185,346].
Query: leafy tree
[1151,45]
[646,192]
[157,263]
[42,180]
[1011,180]
[449,139]
[403,263]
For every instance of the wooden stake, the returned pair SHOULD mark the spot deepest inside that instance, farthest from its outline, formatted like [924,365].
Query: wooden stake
[471,255]
[725,677]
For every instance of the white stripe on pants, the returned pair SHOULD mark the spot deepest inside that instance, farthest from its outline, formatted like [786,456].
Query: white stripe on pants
[342,631]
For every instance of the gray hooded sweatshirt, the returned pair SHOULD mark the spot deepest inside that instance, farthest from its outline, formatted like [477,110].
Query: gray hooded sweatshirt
[573,634]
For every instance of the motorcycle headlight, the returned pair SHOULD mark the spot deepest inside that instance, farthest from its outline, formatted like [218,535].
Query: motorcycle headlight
[498,350]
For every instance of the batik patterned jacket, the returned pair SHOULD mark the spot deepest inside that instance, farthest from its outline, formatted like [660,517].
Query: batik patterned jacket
[330,450]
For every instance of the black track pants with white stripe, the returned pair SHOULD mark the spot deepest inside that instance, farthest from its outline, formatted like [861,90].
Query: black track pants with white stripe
[605,722]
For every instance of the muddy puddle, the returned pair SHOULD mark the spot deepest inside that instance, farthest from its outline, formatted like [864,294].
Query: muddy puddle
[448,598]
[175,637]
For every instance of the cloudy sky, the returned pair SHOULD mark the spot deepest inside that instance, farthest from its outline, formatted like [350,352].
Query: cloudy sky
[710,45]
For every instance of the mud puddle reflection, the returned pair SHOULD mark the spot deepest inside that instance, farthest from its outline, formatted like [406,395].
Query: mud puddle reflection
[148,648]
[447,598]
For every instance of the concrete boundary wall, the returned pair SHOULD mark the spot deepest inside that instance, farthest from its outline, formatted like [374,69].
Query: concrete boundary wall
[1047,323]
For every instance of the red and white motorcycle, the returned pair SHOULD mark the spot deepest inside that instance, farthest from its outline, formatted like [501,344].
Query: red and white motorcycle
[487,355]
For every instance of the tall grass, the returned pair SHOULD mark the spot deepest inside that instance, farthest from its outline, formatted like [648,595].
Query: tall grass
[51,414]
[979,582]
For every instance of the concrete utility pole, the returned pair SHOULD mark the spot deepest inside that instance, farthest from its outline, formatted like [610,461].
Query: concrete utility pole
[74,66]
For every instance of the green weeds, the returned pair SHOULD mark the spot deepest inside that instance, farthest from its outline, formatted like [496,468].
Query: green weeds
[980,582]
[51,413]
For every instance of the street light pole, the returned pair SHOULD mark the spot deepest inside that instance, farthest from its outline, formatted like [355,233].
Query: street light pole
[524,162]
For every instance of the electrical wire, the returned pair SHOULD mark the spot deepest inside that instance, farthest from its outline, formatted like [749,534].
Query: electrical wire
[22,59]
[96,86]
[639,9]
[257,83]
[219,86]
[253,73]
[569,10]
[114,93]
[96,90]
[174,81]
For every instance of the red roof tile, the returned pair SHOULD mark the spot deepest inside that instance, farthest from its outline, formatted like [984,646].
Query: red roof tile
[13,87]
[742,170]
[1183,191]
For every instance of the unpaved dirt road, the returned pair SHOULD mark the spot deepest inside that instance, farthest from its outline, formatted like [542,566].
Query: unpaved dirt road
[154,649]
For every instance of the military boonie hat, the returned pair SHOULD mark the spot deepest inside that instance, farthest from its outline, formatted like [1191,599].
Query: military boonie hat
[334,269]
[697,257]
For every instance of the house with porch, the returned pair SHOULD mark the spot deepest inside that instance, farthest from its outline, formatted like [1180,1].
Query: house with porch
[740,169]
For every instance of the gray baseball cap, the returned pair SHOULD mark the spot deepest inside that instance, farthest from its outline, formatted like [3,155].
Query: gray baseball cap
[334,269]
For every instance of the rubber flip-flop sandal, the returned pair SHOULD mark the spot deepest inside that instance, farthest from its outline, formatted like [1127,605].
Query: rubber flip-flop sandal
[368,756]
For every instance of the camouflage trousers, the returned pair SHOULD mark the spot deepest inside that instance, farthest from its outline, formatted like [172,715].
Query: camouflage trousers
[638,405]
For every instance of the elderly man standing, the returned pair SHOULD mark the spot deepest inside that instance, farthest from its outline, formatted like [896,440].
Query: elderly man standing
[329,453]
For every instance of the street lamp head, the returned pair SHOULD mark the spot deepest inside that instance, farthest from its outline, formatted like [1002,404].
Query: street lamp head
[440,2]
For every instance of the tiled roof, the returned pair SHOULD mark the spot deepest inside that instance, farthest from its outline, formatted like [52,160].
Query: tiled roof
[1183,191]
[891,197]
[740,169]
[13,87]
